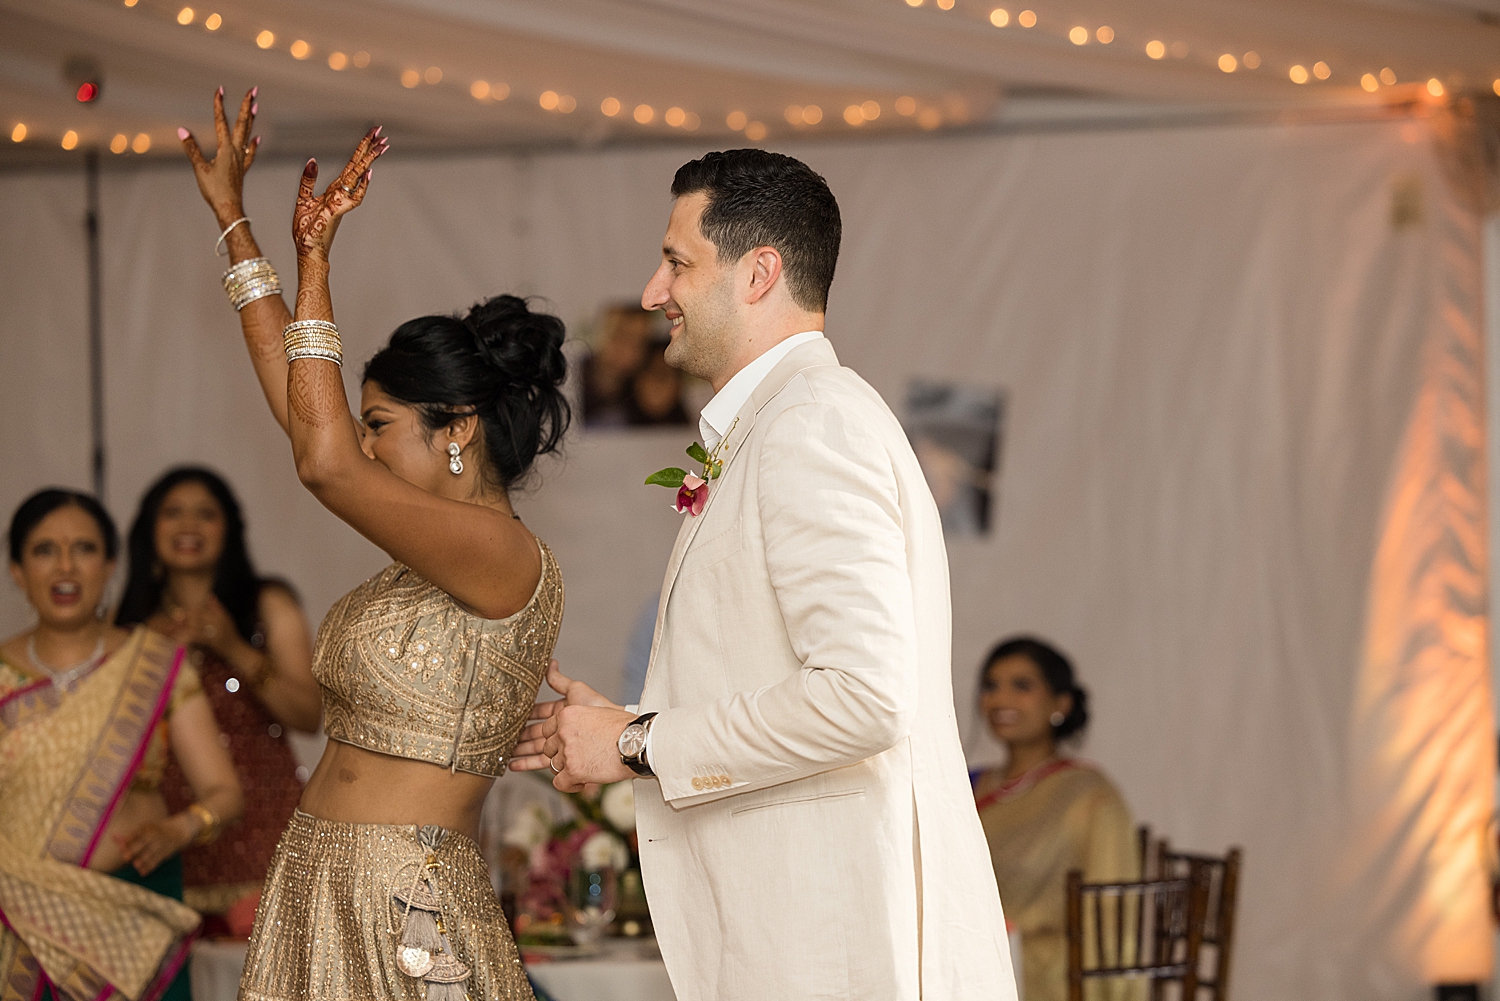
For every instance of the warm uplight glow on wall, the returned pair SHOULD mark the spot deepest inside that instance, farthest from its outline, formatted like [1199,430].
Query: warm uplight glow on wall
[185,16]
[1369,83]
[999,17]
[609,107]
[871,110]
[69,139]
[1251,60]
[131,3]
[1435,87]
[1298,73]
[1027,19]
[337,60]
[737,120]
[913,3]
[945,4]
[1388,77]
[1228,63]
[1078,35]
[675,117]
[120,143]
[479,90]
[213,22]
[1105,34]
[142,142]
[548,100]
[812,114]
[265,39]
[410,78]
[361,59]
[1321,70]
[300,49]
[755,131]
[929,118]
[18,134]
[853,115]
[1155,49]
[906,105]
[644,113]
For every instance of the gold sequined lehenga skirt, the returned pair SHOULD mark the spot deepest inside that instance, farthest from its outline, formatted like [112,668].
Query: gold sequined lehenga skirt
[338,897]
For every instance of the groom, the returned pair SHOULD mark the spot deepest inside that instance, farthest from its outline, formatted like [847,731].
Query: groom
[805,820]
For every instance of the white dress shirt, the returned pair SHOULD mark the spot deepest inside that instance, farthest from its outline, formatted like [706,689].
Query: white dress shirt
[719,413]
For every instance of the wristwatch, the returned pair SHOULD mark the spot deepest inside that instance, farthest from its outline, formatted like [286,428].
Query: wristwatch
[633,745]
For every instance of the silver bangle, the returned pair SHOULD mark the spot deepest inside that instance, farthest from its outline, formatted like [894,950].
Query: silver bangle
[251,279]
[298,354]
[220,244]
[312,339]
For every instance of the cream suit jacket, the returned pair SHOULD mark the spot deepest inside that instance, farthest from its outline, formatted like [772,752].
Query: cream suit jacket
[811,832]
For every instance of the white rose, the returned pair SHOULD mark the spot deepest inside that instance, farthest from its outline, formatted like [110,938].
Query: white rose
[604,851]
[530,828]
[618,804]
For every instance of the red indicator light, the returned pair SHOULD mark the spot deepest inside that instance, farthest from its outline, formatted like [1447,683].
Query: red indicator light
[87,92]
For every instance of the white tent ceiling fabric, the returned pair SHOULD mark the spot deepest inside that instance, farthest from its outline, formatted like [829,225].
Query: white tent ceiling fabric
[1241,481]
[757,57]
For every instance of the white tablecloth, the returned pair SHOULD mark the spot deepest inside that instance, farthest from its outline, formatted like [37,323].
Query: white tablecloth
[620,973]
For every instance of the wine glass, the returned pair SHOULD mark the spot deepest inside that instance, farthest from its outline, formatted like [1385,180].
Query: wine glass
[591,903]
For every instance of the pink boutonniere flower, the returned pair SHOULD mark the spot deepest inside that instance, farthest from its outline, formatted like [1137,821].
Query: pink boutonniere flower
[692,490]
[692,495]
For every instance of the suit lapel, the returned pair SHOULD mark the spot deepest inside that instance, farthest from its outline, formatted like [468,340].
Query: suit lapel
[810,355]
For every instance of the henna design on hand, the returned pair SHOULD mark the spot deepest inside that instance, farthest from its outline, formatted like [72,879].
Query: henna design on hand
[221,181]
[315,218]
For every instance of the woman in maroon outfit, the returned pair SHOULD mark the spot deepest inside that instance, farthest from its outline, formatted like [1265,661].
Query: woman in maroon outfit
[191,578]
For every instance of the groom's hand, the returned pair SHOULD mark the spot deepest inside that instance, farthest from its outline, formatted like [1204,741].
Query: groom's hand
[582,746]
[529,755]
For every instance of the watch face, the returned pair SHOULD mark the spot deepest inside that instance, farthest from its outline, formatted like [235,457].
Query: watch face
[632,741]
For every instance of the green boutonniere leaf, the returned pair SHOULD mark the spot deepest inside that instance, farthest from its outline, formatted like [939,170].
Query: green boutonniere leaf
[697,453]
[669,477]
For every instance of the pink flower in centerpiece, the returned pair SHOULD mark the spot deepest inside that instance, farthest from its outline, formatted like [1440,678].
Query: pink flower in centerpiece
[692,495]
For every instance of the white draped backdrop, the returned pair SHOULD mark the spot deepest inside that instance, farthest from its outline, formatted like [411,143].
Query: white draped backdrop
[1242,481]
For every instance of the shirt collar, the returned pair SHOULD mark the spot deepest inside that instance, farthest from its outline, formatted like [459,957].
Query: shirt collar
[719,413]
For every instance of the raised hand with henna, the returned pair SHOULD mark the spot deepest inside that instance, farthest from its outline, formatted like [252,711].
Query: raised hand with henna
[316,217]
[221,180]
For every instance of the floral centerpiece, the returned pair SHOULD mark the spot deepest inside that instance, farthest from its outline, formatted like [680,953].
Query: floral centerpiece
[566,861]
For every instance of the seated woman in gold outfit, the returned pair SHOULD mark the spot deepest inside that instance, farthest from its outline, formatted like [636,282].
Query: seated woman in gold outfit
[430,668]
[1044,813]
[90,875]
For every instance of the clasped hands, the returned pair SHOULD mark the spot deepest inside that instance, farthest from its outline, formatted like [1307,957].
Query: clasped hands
[576,737]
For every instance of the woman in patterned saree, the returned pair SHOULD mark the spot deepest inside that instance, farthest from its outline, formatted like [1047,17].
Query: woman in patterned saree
[429,669]
[89,868]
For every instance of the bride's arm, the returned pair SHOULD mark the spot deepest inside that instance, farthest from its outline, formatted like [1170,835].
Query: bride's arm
[221,181]
[479,555]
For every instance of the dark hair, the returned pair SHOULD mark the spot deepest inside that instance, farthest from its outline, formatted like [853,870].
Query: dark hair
[503,362]
[1056,670]
[42,503]
[236,584]
[761,199]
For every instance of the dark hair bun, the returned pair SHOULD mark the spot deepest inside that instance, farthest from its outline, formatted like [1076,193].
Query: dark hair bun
[502,361]
[523,347]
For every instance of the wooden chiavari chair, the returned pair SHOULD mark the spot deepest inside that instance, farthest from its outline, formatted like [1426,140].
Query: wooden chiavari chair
[1150,929]
[1218,930]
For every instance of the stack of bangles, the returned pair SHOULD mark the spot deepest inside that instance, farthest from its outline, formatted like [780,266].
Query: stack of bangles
[249,280]
[208,819]
[313,339]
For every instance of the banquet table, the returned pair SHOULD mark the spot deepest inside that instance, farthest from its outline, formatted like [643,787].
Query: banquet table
[624,970]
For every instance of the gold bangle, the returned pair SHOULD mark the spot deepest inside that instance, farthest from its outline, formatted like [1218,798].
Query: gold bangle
[209,821]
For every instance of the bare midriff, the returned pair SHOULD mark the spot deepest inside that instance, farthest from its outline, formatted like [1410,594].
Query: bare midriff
[354,786]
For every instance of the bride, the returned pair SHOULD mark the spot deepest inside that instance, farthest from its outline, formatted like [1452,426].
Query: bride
[430,668]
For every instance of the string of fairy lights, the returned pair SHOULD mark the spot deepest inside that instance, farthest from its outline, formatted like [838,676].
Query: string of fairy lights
[924,113]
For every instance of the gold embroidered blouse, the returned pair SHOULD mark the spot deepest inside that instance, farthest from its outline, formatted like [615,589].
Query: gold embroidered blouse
[405,671]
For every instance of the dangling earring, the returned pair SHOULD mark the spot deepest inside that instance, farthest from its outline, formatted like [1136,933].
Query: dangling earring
[1056,719]
[455,464]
